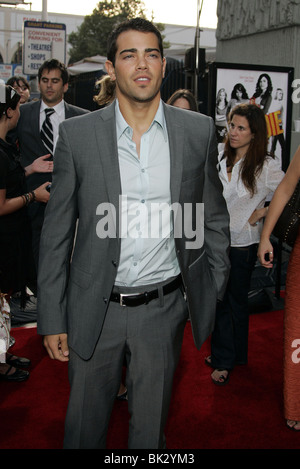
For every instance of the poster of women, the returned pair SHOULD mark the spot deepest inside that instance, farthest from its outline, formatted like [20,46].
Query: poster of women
[267,87]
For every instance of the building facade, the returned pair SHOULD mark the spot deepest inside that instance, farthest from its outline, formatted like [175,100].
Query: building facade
[12,19]
[264,33]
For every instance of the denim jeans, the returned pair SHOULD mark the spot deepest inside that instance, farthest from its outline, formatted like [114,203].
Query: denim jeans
[229,341]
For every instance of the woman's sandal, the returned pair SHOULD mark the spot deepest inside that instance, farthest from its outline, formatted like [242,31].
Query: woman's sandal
[207,361]
[122,397]
[17,375]
[17,361]
[222,377]
[292,423]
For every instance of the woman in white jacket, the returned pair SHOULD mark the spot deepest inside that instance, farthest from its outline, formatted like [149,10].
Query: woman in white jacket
[249,174]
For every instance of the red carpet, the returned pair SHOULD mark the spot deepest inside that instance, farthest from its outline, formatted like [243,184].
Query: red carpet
[245,414]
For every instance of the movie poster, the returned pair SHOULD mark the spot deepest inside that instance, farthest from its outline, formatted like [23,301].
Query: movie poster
[267,87]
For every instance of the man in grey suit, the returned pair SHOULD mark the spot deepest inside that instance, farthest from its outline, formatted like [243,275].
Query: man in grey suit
[125,286]
[53,84]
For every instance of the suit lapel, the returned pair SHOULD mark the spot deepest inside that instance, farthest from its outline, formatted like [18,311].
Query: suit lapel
[35,121]
[176,142]
[105,130]
[68,113]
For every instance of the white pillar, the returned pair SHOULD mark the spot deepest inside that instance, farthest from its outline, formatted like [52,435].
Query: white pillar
[44,11]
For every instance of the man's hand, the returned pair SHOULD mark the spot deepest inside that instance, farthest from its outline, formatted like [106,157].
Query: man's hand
[57,347]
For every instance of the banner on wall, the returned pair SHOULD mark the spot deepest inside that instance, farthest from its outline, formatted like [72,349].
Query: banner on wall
[9,70]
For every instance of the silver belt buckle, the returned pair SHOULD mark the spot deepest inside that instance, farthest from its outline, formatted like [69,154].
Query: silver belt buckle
[125,295]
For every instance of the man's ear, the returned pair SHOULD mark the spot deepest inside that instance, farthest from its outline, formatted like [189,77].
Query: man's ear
[110,69]
[164,66]
[9,112]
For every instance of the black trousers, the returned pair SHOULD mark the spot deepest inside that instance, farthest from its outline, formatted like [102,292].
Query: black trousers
[229,342]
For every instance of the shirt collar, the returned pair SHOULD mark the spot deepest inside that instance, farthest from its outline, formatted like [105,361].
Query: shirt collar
[159,119]
[58,108]
[222,159]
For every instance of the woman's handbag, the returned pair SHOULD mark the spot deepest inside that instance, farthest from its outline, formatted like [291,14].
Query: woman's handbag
[286,228]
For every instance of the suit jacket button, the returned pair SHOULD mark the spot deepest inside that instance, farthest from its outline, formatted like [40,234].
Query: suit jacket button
[114,263]
[105,300]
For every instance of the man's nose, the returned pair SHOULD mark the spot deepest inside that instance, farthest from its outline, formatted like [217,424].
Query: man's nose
[142,62]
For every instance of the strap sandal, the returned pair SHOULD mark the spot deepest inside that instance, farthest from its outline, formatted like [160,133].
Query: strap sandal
[17,361]
[18,375]
[207,361]
[224,378]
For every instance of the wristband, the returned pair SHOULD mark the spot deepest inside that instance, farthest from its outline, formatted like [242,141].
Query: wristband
[28,198]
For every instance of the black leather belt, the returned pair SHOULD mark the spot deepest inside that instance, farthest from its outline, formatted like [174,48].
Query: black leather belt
[137,299]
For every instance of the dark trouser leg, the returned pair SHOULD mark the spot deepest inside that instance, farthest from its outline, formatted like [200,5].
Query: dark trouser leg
[230,337]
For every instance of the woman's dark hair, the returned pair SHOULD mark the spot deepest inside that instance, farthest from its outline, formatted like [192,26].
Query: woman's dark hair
[54,64]
[242,89]
[9,98]
[21,81]
[135,24]
[186,94]
[253,162]
[258,91]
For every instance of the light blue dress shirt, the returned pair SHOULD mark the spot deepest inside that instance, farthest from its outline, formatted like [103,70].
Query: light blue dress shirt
[147,243]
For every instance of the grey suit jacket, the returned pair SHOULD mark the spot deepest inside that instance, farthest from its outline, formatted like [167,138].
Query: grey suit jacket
[73,297]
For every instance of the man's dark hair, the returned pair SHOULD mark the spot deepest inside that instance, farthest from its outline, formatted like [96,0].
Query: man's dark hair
[53,64]
[135,24]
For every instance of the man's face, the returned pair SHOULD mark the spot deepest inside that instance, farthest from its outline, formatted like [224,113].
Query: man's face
[51,87]
[139,67]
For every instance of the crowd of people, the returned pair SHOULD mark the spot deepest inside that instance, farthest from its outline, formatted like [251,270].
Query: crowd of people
[63,167]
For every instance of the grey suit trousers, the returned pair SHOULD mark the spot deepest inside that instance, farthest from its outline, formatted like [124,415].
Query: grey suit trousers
[150,338]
